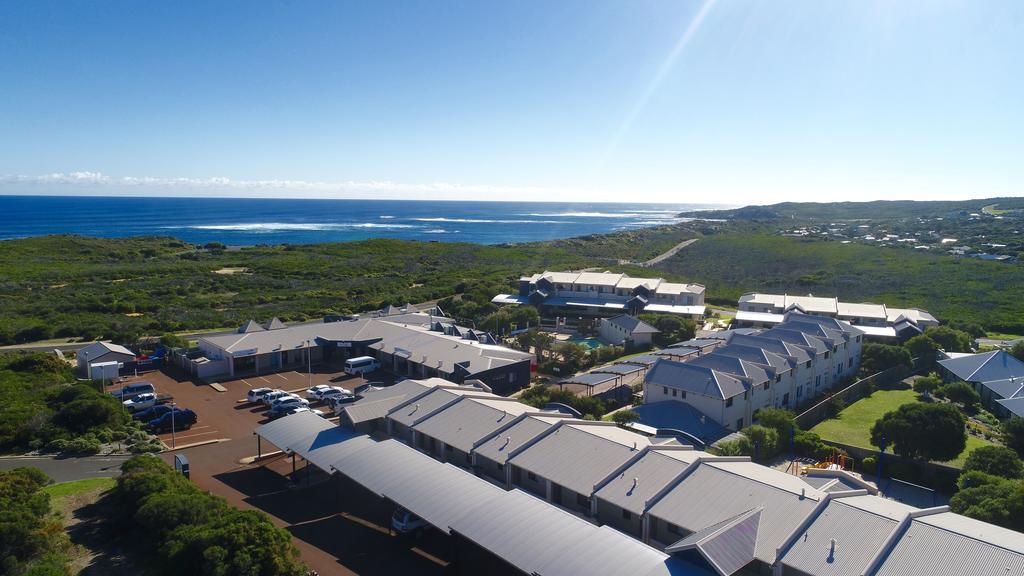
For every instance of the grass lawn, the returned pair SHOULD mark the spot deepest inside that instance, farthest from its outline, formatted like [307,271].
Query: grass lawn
[61,492]
[853,426]
[1003,336]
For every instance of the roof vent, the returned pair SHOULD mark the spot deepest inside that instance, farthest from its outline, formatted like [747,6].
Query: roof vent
[635,481]
[803,491]
[508,440]
[634,445]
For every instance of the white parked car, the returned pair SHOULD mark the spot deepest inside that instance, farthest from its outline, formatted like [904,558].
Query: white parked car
[315,392]
[257,394]
[333,392]
[288,400]
[269,397]
[140,402]
[298,409]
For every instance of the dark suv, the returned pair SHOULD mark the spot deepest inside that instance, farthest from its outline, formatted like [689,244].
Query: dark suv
[182,420]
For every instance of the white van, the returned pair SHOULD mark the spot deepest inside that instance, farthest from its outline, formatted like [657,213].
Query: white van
[361,365]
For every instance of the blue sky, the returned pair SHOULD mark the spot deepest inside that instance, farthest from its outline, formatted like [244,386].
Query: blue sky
[730,101]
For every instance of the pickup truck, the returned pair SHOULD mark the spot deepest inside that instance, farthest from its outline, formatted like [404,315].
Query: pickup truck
[147,400]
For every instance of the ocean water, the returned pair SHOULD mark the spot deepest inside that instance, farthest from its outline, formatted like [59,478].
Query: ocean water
[246,222]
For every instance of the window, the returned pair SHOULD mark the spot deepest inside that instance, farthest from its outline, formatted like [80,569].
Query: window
[682,394]
[785,399]
[673,529]
[808,364]
[826,355]
[851,362]
[767,385]
[531,476]
[778,377]
[665,388]
[817,381]
[739,423]
[858,338]
[511,377]
[674,392]
[799,391]
[626,515]
[728,402]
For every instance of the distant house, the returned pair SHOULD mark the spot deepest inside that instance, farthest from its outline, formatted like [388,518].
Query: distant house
[99,352]
[996,376]
[603,294]
[624,329]
[876,320]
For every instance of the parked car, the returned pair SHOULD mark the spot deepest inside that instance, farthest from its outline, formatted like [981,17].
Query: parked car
[179,419]
[336,402]
[333,392]
[129,391]
[257,394]
[152,413]
[283,408]
[315,392]
[298,409]
[403,521]
[140,402]
[287,400]
[269,397]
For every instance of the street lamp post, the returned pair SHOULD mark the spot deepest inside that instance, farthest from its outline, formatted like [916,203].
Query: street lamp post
[173,442]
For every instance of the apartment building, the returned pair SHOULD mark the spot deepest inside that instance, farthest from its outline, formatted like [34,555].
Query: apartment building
[604,294]
[876,320]
[781,367]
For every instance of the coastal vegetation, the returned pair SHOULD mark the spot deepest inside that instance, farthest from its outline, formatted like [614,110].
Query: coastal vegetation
[32,541]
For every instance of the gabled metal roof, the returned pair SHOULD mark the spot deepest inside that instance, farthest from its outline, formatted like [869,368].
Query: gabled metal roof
[985,367]
[470,420]
[717,491]
[694,378]
[516,436]
[417,409]
[543,540]
[728,545]
[377,403]
[578,456]
[633,488]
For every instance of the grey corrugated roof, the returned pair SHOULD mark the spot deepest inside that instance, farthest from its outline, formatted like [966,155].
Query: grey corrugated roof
[797,352]
[250,326]
[515,437]
[632,324]
[469,420]
[377,403]
[620,369]
[985,367]
[590,379]
[734,366]
[859,535]
[757,355]
[694,378]
[292,429]
[330,446]
[728,545]
[641,359]
[432,490]
[541,539]
[948,543]
[578,456]
[415,410]
[98,349]
[711,494]
[652,472]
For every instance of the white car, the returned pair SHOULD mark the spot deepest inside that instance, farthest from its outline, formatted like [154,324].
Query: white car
[333,392]
[269,397]
[257,394]
[315,392]
[298,409]
[288,401]
[140,402]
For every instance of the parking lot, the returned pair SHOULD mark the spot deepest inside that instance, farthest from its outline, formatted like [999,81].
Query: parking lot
[338,527]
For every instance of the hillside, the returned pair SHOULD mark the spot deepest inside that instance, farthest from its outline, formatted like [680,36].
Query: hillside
[879,209]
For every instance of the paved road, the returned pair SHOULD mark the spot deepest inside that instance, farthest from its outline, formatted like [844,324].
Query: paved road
[67,469]
[1001,343]
[670,253]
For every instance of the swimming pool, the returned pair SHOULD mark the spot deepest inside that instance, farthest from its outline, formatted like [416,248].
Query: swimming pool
[590,343]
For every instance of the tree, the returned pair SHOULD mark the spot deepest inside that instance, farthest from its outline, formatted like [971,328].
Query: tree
[995,460]
[1013,434]
[765,440]
[996,500]
[922,431]
[925,385]
[779,420]
[671,328]
[170,340]
[949,339]
[974,329]
[624,417]
[741,446]
[961,393]
[923,348]
[876,357]
[1017,351]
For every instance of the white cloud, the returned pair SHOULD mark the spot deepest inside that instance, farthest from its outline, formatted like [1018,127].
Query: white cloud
[97,183]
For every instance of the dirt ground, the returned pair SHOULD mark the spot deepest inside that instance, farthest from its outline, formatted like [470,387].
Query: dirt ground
[339,528]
